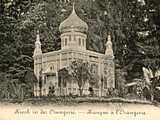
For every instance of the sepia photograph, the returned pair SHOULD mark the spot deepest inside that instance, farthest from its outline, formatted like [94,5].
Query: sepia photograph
[79,59]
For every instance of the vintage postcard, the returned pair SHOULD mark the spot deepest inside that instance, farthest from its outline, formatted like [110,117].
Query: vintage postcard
[79,60]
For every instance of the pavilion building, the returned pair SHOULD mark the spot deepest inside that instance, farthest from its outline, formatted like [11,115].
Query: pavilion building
[73,47]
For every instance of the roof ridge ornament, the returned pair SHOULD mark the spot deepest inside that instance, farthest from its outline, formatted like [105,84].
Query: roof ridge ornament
[109,36]
[38,37]
[109,50]
[109,41]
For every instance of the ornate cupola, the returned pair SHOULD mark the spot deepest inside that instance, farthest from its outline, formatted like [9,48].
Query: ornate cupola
[37,50]
[73,32]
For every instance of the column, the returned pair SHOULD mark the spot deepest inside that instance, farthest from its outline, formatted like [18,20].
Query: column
[60,60]
[72,57]
[99,75]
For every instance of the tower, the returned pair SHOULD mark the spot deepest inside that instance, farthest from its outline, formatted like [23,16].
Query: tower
[37,56]
[37,50]
[109,67]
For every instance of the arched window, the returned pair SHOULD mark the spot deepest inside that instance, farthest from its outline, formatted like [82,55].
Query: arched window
[45,78]
[52,67]
[74,38]
[83,42]
[65,41]
[79,41]
[70,38]
[62,43]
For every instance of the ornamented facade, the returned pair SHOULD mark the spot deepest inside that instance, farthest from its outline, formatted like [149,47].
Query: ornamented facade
[73,47]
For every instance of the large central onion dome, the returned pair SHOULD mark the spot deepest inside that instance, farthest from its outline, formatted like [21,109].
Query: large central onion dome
[73,23]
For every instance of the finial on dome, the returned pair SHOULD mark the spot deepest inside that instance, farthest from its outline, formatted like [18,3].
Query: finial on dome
[38,38]
[109,51]
[37,31]
[109,42]
[109,36]
[73,7]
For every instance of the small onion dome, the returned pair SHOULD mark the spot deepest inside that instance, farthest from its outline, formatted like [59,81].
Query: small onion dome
[73,23]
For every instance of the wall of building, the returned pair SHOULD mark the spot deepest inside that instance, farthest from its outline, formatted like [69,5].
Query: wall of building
[61,59]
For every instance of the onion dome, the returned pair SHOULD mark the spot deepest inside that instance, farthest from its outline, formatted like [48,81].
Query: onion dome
[73,23]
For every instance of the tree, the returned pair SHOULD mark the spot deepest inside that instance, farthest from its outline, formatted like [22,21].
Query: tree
[80,71]
[120,81]
[63,78]
[14,60]
[146,41]
[30,80]
[147,86]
